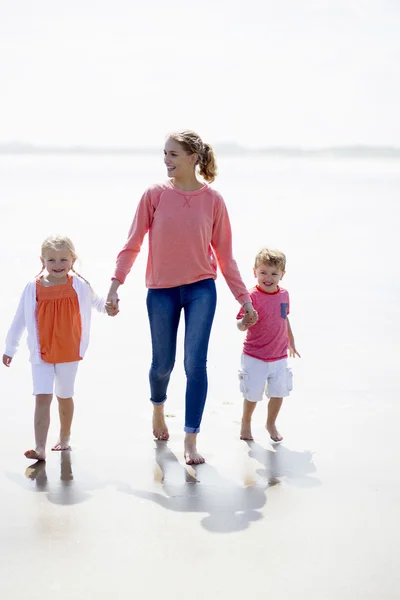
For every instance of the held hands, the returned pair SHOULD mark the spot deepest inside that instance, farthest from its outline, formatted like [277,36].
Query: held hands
[7,360]
[112,304]
[250,315]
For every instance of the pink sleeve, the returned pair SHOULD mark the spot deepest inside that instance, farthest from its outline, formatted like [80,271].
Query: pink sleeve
[140,226]
[222,244]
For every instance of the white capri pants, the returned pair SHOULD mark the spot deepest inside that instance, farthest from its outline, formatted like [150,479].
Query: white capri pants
[274,378]
[58,378]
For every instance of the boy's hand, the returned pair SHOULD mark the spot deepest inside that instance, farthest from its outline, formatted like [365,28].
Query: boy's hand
[7,360]
[293,352]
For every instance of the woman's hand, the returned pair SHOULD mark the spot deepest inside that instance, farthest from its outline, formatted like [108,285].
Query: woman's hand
[250,315]
[112,301]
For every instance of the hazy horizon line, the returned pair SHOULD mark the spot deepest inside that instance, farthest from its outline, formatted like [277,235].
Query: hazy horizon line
[232,148]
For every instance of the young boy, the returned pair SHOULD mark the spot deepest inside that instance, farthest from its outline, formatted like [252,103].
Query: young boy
[265,349]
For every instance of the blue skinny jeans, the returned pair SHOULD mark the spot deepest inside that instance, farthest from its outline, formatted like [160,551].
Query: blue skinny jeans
[164,307]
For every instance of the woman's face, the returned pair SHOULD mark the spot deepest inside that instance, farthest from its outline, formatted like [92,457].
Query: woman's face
[179,164]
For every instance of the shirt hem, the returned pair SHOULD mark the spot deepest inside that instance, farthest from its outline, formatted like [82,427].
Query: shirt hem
[168,286]
[265,359]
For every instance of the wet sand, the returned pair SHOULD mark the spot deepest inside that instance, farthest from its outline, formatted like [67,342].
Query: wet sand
[122,517]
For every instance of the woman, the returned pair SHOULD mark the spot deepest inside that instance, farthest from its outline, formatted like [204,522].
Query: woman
[189,231]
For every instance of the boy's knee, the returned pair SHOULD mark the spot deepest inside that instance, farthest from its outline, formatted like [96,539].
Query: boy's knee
[44,398]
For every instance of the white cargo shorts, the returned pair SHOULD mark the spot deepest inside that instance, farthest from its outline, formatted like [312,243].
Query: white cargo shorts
[258,377]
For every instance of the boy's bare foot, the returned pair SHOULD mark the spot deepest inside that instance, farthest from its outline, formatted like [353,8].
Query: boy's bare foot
[37,454]
[160,429]
[62,444]
[274,433]
[245,432]
[192,457]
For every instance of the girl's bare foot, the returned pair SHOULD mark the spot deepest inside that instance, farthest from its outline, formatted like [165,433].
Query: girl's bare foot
[160,429]
[274,433]
[62,444]
[245,432]
[192,457]
[38,454]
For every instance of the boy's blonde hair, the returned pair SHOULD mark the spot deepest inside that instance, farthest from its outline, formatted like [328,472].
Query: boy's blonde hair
[271,256]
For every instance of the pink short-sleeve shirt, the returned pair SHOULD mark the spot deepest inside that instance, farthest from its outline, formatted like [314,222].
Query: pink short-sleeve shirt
[268,339]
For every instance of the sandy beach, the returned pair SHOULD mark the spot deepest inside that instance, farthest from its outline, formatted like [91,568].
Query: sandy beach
[121,515]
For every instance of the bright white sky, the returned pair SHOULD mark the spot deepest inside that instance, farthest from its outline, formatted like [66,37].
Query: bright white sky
[256,72]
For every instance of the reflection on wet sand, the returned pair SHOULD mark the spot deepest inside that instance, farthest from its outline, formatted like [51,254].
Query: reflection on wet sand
[280,462]
[230,507]
[62,490]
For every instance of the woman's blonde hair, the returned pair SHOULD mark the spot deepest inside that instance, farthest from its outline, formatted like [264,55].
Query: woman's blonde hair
[59,242]
[192,143]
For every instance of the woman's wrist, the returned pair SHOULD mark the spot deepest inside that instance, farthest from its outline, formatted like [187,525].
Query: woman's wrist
[115,283]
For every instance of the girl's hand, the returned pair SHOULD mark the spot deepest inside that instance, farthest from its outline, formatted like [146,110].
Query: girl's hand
[250,315]
[7,360]
[112,304]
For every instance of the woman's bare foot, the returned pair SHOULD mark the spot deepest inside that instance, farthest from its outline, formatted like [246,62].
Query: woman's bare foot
[160,429]
[38,454]
[62,444]
[274,433]
[245,432]
[192,457]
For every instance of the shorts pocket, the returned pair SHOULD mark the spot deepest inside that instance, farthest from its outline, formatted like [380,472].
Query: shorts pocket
[243,376]
[289,379]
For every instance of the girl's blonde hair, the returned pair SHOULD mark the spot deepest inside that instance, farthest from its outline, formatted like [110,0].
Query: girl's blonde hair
[192,143]
[60,242]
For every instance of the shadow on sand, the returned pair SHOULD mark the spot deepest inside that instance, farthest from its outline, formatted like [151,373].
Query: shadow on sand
[229,506]
[280,462]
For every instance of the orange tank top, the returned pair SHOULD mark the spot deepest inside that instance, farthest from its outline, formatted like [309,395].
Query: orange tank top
[59,322]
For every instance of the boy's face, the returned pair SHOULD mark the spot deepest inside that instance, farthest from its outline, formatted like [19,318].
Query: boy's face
[268,277]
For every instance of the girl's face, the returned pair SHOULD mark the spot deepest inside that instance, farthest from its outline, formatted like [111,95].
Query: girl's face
[58,263]
[179,164]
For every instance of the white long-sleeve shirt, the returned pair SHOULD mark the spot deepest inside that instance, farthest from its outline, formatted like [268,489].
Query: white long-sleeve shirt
[25,317]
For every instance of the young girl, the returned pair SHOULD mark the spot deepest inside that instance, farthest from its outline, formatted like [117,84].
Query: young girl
[55,308]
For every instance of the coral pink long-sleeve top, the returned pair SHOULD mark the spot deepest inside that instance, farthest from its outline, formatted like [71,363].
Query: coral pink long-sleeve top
[189,233]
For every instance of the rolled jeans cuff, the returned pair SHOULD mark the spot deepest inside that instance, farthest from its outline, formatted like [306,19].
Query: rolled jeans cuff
[158,403]
[191,429]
